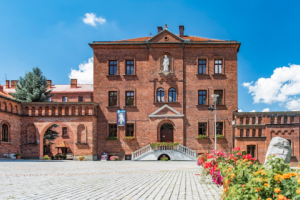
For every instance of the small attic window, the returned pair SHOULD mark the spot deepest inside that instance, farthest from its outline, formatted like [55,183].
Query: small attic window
[166,38]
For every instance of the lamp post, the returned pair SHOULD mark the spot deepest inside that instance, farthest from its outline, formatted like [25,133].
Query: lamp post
[215,96]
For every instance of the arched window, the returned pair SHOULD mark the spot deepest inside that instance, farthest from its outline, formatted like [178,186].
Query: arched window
[247,133]
[53,111]
[259,132]
[60,111]
[259,120]
[253,120]
[4,106]
[172,95]
[285,119]
[241,120]
[16,109]
[4,133]
[160,95]
[247,120]
[279,120]
[73,110]
[40,111]
[253,133]
[10,108]
[33,111]
[26,110]
[79,110]
[67,111]
[47,111]
[241,132]
[81,134]
[86,111]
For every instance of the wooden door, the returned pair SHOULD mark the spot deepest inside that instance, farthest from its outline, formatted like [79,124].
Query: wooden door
[166,135]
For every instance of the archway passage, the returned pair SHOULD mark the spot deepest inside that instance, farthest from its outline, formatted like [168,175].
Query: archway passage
[166,133]
[162,155]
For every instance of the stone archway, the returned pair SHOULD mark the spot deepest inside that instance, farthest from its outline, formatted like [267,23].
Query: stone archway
[167,133]
[166,155]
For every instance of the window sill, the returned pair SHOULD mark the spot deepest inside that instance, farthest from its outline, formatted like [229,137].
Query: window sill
[112,75]
[133,106]
[203,76]
[220,74]
[1,142]
[129,75]
[160,103]
[202,106]
[112,106]
[250,137]
[78,143]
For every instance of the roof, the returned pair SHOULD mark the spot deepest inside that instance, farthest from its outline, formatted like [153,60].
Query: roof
[5,94]
[60,88]
[63,144]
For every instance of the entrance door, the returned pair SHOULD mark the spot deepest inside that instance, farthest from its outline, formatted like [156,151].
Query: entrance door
[166,133]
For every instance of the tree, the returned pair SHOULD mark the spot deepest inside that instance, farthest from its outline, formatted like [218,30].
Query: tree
[32,87]
[50,135]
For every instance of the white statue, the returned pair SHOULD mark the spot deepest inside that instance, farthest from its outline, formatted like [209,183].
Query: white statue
[166,63]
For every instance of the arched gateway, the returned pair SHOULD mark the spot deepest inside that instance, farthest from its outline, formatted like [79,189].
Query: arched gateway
[166,133]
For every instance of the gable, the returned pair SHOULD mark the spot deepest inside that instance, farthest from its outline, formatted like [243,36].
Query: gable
[165,36]
[166,111]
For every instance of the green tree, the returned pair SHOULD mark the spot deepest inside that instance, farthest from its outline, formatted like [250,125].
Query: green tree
[32,87]
[50,135]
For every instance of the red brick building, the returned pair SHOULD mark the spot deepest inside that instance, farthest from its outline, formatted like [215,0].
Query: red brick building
[164,83]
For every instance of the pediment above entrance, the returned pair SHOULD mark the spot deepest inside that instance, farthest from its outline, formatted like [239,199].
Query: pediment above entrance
[165,36]
[166,111]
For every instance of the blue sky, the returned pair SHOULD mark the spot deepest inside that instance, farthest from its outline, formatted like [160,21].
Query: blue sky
[53,36]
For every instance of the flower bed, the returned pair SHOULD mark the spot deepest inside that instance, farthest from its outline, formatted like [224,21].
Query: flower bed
[114,158]
[128,139]
[244,178]
[163,144]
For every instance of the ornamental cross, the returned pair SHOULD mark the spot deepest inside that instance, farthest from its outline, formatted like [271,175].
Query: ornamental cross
[166,27]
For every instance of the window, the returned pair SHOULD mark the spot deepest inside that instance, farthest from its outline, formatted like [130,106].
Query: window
[129,67]
[259,132]
[219,128]
[129,98]
[64,131]
[279,120]
[127,157]
[172,95]
[202,66]
[272,120]
[247,120]
[33,111]
[259,120]
[218,66]
[247,133]
[112,67]
[291,119]
[53,111]
[49,99]
[202,128]
[64,99]
[92,97]
[4,133]
[253,120]
[285,119]
[112,98]
[253,133]
[241,120]
[220,97]
[201,97]
[251,150]
[160,95]
[80,99]
[129,130]
[241,132]
[67,111]
[113,130]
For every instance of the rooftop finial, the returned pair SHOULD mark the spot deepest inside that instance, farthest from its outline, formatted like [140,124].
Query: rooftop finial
[166,27]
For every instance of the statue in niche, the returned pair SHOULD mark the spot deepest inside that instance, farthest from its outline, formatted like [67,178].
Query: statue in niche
[166,63]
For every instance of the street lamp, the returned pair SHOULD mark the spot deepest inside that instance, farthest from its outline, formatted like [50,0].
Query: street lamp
[215,96]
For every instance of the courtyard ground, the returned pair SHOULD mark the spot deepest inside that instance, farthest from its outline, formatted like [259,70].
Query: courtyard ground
[29,179]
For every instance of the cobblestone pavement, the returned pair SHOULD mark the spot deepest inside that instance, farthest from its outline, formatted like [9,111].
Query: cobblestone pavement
[103,180]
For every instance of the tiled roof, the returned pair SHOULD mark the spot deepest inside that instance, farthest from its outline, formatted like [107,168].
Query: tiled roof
[5,94]
[61,88]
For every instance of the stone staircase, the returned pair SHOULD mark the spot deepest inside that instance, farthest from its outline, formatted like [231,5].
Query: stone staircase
[178,152]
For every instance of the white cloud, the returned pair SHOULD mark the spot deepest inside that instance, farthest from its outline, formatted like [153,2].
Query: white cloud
[252,111]
[266,110]
[85,73]
[91,19]
[240,110]
[281,87]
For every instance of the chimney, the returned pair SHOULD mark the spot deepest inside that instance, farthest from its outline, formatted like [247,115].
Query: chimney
[1,88]
[13,83]
[181,30]
[159,29]
[49,84]
[73,83]
[7,83]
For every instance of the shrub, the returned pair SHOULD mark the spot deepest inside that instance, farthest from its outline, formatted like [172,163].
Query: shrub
[112,138]
[167,144]
[164,158]
[17,154]
[60,156]
[46,157]
[80,157]
[114,158]
[64,156]
[52,157]
[244,178]
[220,136]
[57,156]
[202,136]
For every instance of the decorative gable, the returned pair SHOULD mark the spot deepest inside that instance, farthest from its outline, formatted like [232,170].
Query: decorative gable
[165,36]
[166,111]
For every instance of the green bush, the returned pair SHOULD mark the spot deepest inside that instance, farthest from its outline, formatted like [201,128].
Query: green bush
[46,157]
[112,138]
[167,144]
[64,157]
[57,156]
[164,158]
[202,136]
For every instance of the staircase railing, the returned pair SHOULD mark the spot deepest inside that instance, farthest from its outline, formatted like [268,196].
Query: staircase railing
[179,147]
[8,150]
